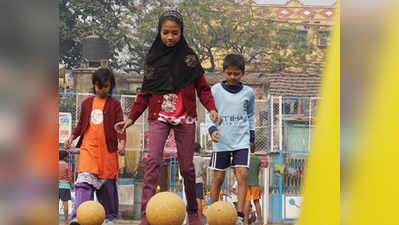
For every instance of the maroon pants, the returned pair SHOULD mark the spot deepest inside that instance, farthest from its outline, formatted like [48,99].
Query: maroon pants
[184,137]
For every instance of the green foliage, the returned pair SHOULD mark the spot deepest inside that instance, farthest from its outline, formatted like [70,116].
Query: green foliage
[79,19]
[212,28]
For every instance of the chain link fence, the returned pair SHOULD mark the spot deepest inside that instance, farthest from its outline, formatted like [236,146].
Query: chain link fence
[137,133]
[291,122]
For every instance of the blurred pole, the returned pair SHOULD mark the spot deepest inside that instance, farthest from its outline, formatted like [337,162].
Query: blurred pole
[265,195]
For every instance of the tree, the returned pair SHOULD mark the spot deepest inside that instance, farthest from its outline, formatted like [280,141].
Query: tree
[79,19]
[212,28]
[142,26]
[215,28]
[127,25]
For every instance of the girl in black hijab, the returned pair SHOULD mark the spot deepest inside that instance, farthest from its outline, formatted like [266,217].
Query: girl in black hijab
[170,64]
[172,76]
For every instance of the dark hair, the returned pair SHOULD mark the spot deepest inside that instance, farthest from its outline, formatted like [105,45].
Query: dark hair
[100,76]
[234,60]
[62,154]
[171,15]
[197,147]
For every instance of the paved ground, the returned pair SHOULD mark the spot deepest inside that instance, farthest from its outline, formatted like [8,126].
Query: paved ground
[125,215]
[137,222]
[130,222]
[117,222]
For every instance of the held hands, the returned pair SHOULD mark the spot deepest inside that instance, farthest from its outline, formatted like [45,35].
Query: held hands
[215,136]
[68,142]
[120,127]
[215,117]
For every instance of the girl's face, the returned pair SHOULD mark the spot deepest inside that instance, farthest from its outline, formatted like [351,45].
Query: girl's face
[170,33]
[103,89]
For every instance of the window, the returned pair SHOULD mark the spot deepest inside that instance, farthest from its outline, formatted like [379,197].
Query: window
[293,38]
[323,39]
[300,38]
[284,38]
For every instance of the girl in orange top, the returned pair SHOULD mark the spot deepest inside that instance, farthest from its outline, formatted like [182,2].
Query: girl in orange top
[99,146]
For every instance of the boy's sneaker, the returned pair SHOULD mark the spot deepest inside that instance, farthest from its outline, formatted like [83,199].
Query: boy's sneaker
[74,222]
[240,220]
[108,222]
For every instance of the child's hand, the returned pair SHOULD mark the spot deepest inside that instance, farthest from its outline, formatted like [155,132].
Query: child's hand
[120,127]
[73,150]
[215,136]
[215,116]
[121,147]
[68,143]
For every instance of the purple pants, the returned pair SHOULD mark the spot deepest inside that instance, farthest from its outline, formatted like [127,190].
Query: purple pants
[184,137]
[107,196]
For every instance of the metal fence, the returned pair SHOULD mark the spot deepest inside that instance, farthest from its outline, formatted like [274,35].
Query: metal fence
[290,123]
[71,102]
[136,134]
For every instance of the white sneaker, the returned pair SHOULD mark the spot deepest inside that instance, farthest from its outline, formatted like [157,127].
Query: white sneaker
[108,222]
[240,220]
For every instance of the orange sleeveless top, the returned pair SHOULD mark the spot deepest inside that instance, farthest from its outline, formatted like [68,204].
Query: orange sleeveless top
[94,155]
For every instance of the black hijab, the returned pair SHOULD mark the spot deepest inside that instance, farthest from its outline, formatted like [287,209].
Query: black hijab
[169,69]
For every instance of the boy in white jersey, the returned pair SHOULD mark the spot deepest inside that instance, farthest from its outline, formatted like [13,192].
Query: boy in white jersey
[235,136]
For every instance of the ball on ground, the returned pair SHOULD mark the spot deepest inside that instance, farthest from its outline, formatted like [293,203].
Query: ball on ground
[90,213]
[221,213]
[165,208]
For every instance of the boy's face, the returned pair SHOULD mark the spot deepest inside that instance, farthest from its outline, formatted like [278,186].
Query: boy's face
[103,89]
[233,75]
[170,33]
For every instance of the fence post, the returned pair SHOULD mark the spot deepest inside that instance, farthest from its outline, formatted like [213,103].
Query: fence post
[280,118]
[265,195]
[310,123]
[271,123]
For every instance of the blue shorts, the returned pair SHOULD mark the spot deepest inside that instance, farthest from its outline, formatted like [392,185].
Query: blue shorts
[199,190]
[64,194]
[223,160]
